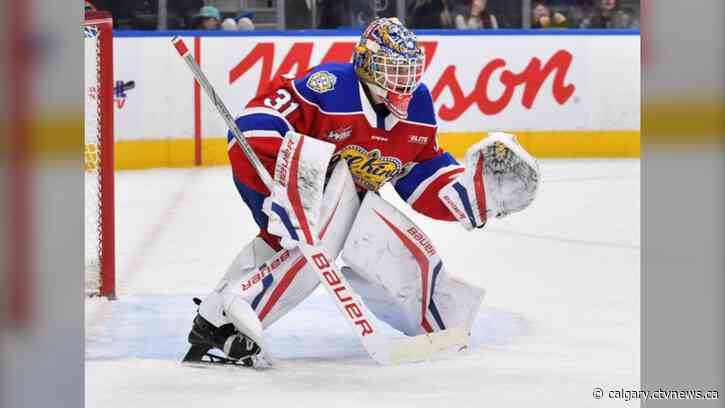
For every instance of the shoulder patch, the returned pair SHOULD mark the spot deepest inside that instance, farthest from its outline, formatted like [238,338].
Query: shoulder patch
[321,81]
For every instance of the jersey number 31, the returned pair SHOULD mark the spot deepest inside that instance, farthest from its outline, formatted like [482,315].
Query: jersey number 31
[279,100]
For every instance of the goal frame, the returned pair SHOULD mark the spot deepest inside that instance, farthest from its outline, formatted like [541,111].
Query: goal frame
[107,257]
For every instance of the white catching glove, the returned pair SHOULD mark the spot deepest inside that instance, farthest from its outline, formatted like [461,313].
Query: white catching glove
[500,178]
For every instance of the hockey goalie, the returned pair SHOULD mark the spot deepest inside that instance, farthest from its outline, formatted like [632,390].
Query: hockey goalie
[330,139]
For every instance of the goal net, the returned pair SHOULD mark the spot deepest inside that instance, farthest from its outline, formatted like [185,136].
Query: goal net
[99,202]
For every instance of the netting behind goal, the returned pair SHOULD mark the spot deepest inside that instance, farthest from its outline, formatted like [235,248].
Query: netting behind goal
[99,194]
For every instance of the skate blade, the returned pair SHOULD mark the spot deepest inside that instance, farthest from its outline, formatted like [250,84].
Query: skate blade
[200,356]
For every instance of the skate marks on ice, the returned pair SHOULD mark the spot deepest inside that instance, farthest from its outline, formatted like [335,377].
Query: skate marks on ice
[155,328]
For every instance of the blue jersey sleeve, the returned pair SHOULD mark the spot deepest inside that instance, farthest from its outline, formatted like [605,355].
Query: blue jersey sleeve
[419,186]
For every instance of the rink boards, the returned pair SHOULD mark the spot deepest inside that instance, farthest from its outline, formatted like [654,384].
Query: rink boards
[563,93]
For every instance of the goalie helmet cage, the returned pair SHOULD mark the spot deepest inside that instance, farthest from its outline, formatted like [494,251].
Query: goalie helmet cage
[100,260]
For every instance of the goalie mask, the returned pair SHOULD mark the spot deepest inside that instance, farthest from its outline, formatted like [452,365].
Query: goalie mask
[390,61]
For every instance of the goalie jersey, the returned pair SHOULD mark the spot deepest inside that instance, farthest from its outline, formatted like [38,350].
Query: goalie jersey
[329,103]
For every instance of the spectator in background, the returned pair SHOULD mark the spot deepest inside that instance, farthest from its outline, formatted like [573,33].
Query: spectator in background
[607,15]
[341,14]
[229,24]
[476,16]
[130,14]
[242,22]
[333,14]
[182,13]
[429,14]
[579,10]
[208,18]
[298,14]
[541,17]
[245,24]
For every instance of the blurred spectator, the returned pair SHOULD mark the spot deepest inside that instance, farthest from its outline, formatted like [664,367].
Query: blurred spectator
[333,14]
[298,14]
[182,12]
[578,11]
[131,14]
[541,17]
[208,18]
[386,8]
[343,14]
[362,12]
[607,15]
[89,6]
[245,21]
[229,24]
[429,14]
[476,16]
[509,14]
[245,24]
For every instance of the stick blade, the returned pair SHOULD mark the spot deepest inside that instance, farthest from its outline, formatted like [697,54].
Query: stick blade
[413,349]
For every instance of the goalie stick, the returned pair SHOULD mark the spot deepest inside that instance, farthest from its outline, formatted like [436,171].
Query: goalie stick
[383,349]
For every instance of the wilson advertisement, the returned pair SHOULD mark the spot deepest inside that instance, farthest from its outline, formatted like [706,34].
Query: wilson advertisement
[563,95]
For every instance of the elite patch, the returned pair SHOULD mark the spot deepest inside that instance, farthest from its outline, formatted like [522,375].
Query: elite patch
[321,81]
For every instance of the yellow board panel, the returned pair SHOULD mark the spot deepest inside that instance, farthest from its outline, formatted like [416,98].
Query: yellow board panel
[683,120]
[569,144]
[142,154]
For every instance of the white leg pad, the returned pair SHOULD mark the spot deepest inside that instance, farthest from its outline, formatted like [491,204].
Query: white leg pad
[270,283]
[249,258]
[395,268]
[340,205]
[245,320]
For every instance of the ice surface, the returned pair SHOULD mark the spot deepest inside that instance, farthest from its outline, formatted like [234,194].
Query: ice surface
[560,315]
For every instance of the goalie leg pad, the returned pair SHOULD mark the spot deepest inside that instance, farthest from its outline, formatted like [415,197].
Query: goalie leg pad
[295,202]
[259,280]
[253,255]
[395,268]
[270,283]
[340,204]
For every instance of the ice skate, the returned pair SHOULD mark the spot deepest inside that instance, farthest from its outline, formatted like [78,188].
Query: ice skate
[237,348]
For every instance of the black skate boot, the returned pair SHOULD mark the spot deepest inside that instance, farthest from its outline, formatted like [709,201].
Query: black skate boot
[204,336]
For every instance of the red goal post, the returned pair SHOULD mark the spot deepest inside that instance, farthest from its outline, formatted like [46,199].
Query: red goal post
[100,266]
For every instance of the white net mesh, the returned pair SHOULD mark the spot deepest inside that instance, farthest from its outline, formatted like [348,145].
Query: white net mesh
[92,159]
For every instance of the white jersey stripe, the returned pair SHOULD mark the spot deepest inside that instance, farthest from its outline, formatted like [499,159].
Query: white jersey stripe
[252,134]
